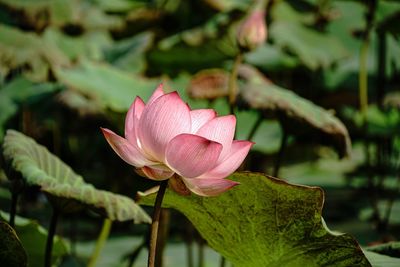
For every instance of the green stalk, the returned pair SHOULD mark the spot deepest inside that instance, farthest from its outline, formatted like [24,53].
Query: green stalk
[155,223]
[189,253]
[232,83]
[255,127]
[13,208]
[222,262]
[101,241]
[381,72]
[363,72]
[201,253]
[50,237]
[363,79]
[188,237]
[278,160]
[162,236]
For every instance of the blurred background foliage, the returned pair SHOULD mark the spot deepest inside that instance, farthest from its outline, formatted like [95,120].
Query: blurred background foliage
[69,67]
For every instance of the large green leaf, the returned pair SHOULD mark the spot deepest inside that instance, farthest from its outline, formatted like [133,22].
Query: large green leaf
[12,253]
[77,102]
[119,5]
[129,54]
[297,114]
[345,26]
[267,222]
[20,91]
[379,122]
[64,187]
[390,249]
[28,51]
[228,5]
[271,58]
[33,238]
[210,54]
[387,16]
[89,45]
[62,12]
[379,260]
[113,88]
[392,100]
[315,49]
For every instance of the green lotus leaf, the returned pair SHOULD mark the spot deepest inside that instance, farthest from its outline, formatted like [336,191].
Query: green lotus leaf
[29,52]
[298,115]
[129,54]
[77,102]
[379,260]
[12,253]
[33,238]
[21,91]
[267,222]
[62,12]
[389,249]
[65,189]
[112,88]
[309,45]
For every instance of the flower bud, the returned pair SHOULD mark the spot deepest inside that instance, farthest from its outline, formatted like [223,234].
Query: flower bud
[253,30]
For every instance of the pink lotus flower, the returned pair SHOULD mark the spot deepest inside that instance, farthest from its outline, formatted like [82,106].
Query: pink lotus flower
[195,149]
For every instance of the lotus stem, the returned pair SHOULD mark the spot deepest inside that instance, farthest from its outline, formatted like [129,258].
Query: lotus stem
[381,73]
[255,127]
[232,83]
[101,241]
[50,237]
[13,208]
[155,223]
[162,236]
[363,72]
[222,262]
[363,80]
[135,253]
[201,253]
[188,237]
[189,253]
[390,202]
[278,161]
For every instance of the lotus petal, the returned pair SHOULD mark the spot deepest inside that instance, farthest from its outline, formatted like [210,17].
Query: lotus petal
[201,117]
[128,152]
[239,151]
[162,120]
[192,155]
[221,130]
[132,120]
[209,187]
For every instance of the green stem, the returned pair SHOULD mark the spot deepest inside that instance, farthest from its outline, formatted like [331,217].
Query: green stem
[162,236]
[255,127]
[201,253]
[232,83]
[50,237]
[188,237]
[390,202]
[363,72]
[282,147]
[155,223]
[189,253]
[381,73]
[133,256]
[222,262]
[13,209]
[101,241]
[363,79]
